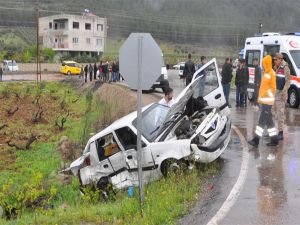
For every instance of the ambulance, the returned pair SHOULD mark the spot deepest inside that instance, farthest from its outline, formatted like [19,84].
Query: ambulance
[270,43]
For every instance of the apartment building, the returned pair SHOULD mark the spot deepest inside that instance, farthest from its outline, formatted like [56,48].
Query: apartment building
[74,34]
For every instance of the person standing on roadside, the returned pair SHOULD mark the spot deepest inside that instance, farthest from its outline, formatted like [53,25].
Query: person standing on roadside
[86,70]
[1,73]
[95,71]
[266,98]
[257,80]
[91,72]
[241,82]
[283,81]
[226,78]
[189,70]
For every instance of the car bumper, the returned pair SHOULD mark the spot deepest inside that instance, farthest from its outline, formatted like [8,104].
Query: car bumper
[206,154]
[161,84]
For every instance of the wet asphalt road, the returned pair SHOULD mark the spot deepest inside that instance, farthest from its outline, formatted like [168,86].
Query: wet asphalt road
[270,191]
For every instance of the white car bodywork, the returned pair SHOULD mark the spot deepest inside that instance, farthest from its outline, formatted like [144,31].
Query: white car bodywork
[10,65]
[188,131]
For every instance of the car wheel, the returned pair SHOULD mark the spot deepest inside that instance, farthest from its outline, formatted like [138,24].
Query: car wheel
[69,73]
[173,166]
[105,188]
[293,98]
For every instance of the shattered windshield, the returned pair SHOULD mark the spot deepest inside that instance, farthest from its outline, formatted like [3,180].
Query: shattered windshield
[152,119]
[296,56]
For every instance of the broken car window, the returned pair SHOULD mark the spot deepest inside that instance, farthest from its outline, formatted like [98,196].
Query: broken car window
[207,83]
[127,138]
[153,118]
[106,146]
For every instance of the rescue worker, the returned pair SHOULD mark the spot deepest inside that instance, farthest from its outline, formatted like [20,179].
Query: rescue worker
[282,71]
[266,98]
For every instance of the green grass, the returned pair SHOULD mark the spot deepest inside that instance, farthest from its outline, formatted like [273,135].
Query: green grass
[174,53]
[166,200]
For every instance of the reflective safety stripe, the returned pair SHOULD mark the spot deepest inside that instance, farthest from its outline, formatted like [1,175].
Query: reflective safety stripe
[271,134]
[266,99]
[272,130]
[268,76]
[258,133]
[270,93]
[280,75]
[259,129]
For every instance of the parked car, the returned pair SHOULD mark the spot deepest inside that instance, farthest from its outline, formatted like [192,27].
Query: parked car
[162,82]
[70,67]
[177,66]
[180,70]
[195,129]
[10,65]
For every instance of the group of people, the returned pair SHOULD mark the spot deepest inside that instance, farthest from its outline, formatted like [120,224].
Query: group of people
[272,95]
[106,72]
[271,84]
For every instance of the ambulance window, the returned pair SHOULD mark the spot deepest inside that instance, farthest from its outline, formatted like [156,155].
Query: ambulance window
[271,49]
[252,54]
[287,59]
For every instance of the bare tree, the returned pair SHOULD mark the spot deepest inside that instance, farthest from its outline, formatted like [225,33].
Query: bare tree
[61,120]
[11,112]
[32,138]
[2,126]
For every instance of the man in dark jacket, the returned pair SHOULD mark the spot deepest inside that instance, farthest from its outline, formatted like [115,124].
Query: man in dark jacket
[95,71]
[189,70]
[91,72]
[241,83]
[257,80]
[226,78]
[86,70]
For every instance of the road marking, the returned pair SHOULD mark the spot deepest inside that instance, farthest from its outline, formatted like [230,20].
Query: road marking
[236,190]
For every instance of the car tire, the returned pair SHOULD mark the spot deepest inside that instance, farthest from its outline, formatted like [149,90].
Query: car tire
[69,73]
[173,166]
[293,98]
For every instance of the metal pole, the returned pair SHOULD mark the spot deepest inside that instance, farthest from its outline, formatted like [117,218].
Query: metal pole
[139,122]
[38,65]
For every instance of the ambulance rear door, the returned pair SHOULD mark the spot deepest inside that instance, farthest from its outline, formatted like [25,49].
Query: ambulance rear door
[252,52]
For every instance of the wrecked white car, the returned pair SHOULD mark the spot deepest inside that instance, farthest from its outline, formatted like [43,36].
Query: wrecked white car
[195,128]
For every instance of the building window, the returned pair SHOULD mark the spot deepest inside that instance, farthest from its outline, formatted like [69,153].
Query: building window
[75,25]
[62,26]
[99,42]
[50,25]
[75,40]
[88,26]
[99,27]
[88,41]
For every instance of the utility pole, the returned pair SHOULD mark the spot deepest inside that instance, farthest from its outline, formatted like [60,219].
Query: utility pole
[237,42]
[260,26]
[38,63]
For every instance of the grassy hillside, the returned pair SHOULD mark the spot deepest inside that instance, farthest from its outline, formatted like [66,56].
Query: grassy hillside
[209,21]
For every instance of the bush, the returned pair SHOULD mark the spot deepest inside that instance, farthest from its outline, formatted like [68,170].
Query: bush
[14,198]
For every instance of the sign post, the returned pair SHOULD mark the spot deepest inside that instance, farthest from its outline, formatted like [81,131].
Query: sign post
[140,65]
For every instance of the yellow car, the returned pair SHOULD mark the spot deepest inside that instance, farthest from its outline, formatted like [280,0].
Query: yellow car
[70,67]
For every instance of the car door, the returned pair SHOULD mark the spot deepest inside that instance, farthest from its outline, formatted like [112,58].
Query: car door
[99,166]
[206,83]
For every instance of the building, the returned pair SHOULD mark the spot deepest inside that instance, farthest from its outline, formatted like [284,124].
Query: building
[74,34]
